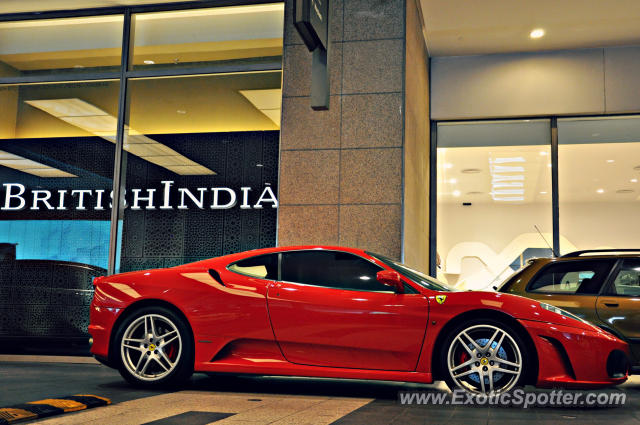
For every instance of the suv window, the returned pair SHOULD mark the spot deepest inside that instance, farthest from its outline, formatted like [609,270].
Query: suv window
[572,277]
[333,269]
[261,266]
[627,281]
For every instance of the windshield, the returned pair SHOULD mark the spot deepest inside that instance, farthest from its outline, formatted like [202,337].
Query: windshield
[415,276]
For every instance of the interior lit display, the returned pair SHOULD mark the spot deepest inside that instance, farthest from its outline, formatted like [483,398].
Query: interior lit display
[599,167]
[494,186]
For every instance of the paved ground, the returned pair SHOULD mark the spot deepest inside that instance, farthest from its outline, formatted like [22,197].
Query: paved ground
[268,400]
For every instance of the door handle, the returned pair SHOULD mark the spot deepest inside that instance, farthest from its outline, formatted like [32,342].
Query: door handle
[612,304]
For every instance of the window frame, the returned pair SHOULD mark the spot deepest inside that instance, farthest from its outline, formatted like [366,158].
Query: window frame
[605,281]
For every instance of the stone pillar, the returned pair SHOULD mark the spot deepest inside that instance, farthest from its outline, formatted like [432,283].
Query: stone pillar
[341,171]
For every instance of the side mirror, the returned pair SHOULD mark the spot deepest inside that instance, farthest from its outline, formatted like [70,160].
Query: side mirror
[392,279]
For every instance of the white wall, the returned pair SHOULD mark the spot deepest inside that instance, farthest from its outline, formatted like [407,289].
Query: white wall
[573,82]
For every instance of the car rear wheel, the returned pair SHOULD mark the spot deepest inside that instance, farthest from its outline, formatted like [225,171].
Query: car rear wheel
[155,348]
[484,357]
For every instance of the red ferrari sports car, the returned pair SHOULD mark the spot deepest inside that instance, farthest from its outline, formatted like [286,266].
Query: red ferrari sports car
[340,313]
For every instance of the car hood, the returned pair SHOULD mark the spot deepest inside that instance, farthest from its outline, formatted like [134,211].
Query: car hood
[516,306]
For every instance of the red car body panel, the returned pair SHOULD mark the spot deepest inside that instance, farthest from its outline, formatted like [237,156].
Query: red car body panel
[250,325]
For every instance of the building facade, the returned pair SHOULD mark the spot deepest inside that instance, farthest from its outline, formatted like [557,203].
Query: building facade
[151,135]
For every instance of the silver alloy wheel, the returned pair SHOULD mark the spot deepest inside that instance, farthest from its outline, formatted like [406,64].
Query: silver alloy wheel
[151,347]
[484,359]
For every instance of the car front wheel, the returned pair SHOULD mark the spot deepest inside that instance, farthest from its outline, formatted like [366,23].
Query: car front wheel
[484,357]
[155,348]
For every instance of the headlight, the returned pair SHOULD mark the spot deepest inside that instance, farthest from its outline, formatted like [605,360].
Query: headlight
[554,309]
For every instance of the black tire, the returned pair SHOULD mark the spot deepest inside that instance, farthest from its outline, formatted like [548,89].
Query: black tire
[481,330]
[162,352]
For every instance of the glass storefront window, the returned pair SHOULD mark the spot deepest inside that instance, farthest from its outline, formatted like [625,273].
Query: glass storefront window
[200,168]
[56,172]
[599,193]
[494,189]
[206,36]
[71,45]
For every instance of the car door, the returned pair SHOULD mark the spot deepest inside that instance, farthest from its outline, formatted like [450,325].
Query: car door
[619,304]
[328,309]
[571,285]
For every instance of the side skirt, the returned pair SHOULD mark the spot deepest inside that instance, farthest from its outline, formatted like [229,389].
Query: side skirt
[284,368]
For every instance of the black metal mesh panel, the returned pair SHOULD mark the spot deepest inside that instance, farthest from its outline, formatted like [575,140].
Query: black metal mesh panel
[165,238]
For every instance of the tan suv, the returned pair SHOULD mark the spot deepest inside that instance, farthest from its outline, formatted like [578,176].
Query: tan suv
[601,286]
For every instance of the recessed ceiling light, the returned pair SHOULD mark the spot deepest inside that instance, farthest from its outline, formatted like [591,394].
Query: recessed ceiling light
[611,161]
[471,171]
[549,165]
[149,62]
[543,193]
[543,153]
[624,191]
[453,181]
[456,193]
[634,180]
[600,190]
[536,33]
[448,165]
[259,165]
[181,111]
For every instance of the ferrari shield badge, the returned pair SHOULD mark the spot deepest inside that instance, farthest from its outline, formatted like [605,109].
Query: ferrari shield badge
[441,299]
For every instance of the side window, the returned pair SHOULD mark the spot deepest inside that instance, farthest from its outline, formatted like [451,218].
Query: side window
[575,277]
[262,266]
[627,282]
[331,269]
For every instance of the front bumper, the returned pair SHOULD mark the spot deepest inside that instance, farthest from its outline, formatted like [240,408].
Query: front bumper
[577,358]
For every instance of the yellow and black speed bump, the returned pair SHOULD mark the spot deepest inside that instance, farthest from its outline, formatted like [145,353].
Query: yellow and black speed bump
[50,407]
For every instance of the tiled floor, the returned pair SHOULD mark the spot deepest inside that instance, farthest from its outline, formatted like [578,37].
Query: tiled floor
[269,400]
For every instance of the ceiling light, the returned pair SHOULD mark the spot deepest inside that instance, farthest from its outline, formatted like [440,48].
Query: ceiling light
[449,165]
[610,161]
[543,153]
[507,169]
[95,121]
[28,166]
[509,198]
[149,62]
[600,190]
[181,111]
[508,192]
[501,178]
[507,184]
[536,33]
[507,160]
[456,193]
[543,193]
[453,181]
[549,165]
[634,180]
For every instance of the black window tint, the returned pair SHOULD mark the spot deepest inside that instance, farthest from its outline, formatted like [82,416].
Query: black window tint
[262,266]
[627,281]
[332,269]
[576,277]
